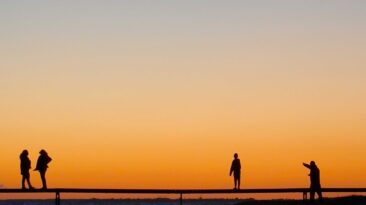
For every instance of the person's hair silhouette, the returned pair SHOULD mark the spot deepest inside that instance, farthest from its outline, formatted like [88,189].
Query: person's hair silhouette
[42,165]
[235,168]
[25,165]
[314,180]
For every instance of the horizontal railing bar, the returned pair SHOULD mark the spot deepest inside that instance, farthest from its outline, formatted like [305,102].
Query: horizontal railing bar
[177,191]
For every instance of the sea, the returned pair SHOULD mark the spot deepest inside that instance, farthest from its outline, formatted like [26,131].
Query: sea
[122,202]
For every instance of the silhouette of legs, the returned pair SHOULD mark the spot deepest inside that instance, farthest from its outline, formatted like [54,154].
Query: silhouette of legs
[312,193]
[236,181]
[29,184]
[239,182]
[318,191]
[43,177]
[26,178]
[23,182]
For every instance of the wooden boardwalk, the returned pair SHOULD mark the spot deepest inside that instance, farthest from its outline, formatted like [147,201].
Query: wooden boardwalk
[180,192]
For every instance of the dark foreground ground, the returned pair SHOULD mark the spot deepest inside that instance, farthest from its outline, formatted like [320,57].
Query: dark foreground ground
[350,200]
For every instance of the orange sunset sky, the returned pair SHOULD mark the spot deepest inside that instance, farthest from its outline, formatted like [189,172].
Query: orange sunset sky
[161,94]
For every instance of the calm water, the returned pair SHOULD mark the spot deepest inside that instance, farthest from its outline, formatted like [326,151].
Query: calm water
[121,202]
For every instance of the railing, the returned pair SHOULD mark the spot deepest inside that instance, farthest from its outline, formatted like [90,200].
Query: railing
[180,192]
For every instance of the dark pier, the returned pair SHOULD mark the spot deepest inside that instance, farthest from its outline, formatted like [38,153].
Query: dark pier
[180,192]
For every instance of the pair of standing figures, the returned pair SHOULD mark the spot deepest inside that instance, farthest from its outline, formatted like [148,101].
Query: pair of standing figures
[42,165]
[314,177]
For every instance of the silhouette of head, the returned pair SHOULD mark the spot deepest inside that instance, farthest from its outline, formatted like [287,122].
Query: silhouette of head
[236,156]
[43,152]
[312,163]
[24,153]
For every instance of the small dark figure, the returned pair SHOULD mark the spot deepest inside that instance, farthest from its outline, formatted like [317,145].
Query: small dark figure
[42,165]
[235,167]
[25,165]
[314,181]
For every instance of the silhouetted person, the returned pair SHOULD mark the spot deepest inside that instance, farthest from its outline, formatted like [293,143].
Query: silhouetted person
[25,165]
[42,165]
[235,167]
[314,180]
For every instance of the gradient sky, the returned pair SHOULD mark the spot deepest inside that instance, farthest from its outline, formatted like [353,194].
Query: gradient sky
[160,94]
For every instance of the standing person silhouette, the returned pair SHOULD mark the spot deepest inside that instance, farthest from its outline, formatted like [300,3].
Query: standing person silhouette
[314,181]
[25,165]
[235,167]
[42,165]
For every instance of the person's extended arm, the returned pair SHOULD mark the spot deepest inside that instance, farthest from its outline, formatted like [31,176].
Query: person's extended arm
[306,165]
[49,159]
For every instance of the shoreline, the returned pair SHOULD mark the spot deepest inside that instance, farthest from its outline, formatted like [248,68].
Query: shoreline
[349,198]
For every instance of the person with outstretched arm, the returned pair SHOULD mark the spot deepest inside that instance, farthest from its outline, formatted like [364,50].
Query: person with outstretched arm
[314,180]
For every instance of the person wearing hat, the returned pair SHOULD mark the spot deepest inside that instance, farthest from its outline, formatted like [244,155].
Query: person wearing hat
[25,165]
[314,180]
[42,165]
